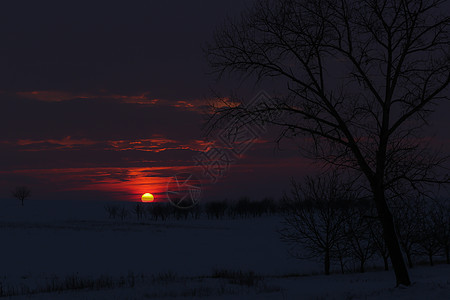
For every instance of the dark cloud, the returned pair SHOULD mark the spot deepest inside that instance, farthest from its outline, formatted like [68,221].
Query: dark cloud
[141,46]
[96,119]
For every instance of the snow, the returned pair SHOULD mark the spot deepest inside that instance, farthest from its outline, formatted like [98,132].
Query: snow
[50,242]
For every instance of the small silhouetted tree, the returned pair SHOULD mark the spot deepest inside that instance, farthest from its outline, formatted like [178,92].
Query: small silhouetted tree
[357,233]
[179,213]
[441,217]
[376,235]
[316,218]
[406,214]
[139,210]
[427,238]
[341,254]
[196,212]
[123,213]
[216,209]
[269,206]
[159,211]
[21,193]
[112,211]
[242,207]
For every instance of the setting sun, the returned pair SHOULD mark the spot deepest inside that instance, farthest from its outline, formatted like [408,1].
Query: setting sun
[147,197]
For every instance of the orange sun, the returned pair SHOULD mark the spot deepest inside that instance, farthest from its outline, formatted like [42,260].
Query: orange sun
[147,197]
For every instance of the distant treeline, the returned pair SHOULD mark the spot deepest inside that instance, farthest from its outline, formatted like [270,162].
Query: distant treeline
[242,208]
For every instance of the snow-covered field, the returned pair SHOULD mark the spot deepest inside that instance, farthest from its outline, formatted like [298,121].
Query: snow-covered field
[71,250]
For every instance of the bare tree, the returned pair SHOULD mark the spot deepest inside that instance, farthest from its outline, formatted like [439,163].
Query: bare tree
[21,193]
[423,226]
[379,244]
[159,210]
[361,79]
[406,214]
[216,209]
[357,234]
[122,213]
[441,217]
[196,212]
[112,211]
[315,219]
[428,236]
[139,210]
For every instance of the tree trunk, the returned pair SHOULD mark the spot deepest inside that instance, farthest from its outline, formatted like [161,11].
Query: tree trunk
[361,267]
[409,258]
[386,263]
[341,259]
[447,254]
[341,262]
[327,262]
[431,259]
[391,239]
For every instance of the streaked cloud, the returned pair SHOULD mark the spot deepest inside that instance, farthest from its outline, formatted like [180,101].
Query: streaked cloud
[120,183]
[158,143]
[196,105]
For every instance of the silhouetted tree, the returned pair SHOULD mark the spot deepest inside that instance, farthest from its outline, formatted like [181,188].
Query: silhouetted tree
[123,213]
[180,213]
[361,78]
[21,193]
[159,210]
[406,221]
[112,211]
[357,234]
[216,209]
[427,237]
[441,217]
[379,244]
[316,219]
[269,206]
[196,211]
[242,207]
[139,210]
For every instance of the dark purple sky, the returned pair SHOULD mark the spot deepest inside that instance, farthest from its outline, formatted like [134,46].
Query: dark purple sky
[105,101]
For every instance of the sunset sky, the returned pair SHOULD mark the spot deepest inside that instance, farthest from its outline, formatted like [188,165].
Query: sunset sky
[108,102]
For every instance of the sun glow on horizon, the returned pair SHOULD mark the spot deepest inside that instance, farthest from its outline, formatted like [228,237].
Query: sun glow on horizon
[147,197]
